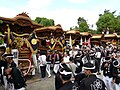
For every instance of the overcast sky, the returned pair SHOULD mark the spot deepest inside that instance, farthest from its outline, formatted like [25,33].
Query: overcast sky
[64,12]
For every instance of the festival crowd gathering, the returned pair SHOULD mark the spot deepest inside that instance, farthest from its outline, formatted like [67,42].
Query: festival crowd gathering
[78,68]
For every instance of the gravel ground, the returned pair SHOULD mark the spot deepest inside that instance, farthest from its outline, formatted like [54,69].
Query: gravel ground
[39,84]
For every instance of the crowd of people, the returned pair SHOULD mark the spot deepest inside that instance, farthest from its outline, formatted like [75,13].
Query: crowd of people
[79,68]
[75,69]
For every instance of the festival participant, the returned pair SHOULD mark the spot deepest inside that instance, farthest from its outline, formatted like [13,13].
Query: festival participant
[57,60]
[73,53]
[98,60]
[3,66]
[11,63]
[49,59]
[107,67]
[91,82]
[16,76]
[58,81]
[106,71]
[66,58]
[116,73]
[78,61]
[42,59]
[65,75]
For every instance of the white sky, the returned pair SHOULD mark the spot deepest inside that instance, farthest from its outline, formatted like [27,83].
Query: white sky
[64,12]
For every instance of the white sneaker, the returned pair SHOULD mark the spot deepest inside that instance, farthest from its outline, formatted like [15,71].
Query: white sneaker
[49,76]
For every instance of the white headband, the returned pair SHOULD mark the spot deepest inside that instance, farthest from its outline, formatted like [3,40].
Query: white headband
[9,56]
[65,73]
[89,68]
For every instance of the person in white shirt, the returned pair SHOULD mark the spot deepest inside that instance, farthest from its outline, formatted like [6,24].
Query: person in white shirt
[73,53]
[42,59]
[98,59]
[66,58]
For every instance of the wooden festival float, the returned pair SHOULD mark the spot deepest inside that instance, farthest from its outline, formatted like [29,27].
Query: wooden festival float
[84,37]
[71,37]
[51,38]
[75,37]
[96,39]
[18,38]
[112,38]
[103,39]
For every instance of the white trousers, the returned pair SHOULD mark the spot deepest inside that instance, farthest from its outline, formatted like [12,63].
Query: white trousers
[10,86]
[56,68]
[23,88]
[48,70]
[5,82]
[117,86]
[108,82]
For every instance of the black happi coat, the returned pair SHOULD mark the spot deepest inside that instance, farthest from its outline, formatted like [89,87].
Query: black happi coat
[69,86]
[17,78]
[92,83]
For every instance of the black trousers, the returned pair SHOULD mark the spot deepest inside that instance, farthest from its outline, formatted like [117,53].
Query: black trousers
[43,71]
[1,78]
[98,60]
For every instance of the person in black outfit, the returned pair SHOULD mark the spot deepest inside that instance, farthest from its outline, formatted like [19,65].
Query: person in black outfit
[58,81]
[11,63]
[3,63]
[91,82]
[78,61]
[116,74]
[65,75]
[107,67]
[16,77]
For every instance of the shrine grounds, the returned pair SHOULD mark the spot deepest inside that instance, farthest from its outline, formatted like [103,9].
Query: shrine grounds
[36,83]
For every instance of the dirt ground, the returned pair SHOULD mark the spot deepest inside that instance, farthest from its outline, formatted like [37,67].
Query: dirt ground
[35,83]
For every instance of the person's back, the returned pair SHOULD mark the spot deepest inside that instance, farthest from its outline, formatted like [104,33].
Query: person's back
[92,83]
[65,76]
[69,86]
[16,77]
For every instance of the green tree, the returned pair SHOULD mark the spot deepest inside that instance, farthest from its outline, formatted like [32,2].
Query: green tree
[117,30]
[107,21]
[44,21]
[82,23]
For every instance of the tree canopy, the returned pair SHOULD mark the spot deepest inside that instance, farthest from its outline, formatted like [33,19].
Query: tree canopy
[44,21]
[82,25]
[108,22]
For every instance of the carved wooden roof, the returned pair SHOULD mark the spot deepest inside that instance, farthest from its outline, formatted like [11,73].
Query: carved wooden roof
[85,33]
[109,35]
[21,21]
[96,36]
[55,30]
[50,28]
[73,32]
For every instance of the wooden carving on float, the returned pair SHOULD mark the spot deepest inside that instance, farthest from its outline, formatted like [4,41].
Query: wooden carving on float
[20,28]
[52,36]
